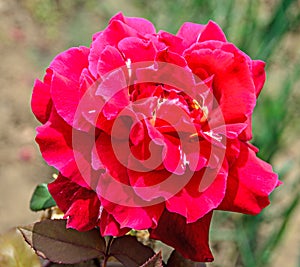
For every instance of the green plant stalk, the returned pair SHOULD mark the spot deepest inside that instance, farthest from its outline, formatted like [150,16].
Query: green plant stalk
[276,236]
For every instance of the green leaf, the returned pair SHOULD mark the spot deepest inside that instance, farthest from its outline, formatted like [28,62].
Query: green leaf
[129,251]
[155,261]
[176,260]
[41,198]
[52,240]
[14,252]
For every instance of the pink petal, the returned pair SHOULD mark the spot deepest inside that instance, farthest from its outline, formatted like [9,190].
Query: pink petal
[233,85]
[173,43]
[141,25]
[168,56]
[112,35]
[109,60]
[156,185]
[126,207]
[189,32]
[212,31]
[65,86]
[139,218]
[55,142]
[71,62]
[41,102]
[137,49]
[189,239]
[172,155]
[259,75]
[203,193]
[249,183]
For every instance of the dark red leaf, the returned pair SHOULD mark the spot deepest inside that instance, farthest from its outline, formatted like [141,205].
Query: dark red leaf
[129,251]
[176,260]
[155,261]
[52,240]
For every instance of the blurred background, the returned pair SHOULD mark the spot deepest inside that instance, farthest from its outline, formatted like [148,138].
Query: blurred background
[32,32]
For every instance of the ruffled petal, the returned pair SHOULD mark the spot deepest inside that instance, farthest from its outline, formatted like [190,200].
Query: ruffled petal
[109,60]
[233,86]
[71,62]
[109,226]
[55,142]
[138,218]
[189,239]
[41,102]
[137,49]
[141,25]
[259,75]
[249,184]
[80,205]
[65,86]
[212,31]
[189,32]
[203,193]
[112,35]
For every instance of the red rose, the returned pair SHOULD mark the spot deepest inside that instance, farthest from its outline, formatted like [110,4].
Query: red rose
[150,131]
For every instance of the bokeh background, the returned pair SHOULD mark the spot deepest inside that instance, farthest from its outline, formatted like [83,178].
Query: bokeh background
[32,32]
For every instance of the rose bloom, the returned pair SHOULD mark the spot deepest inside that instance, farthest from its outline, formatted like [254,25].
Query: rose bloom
[151,131]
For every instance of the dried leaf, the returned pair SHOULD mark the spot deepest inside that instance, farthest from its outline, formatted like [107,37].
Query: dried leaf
[14,252]
[52,240]
[155,261]
[176,260]
[129,251]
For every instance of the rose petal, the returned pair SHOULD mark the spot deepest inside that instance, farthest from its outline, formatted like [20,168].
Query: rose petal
[189,32]
[113,34]
[249,183]
[259,75]
[173,43]
[137,49]
[190,239]
[233,86]
[126,207]
[109,226]
[65,86]
[80,205]
[212,31]
[113,154]
[203,193]
[71,62]
[109,60]
[41,102]
[141,25]
[55,142]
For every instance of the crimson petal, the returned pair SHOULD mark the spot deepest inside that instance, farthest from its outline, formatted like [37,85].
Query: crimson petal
[203,193]
[190,239]
[41,102]
[80,205]
[250,182]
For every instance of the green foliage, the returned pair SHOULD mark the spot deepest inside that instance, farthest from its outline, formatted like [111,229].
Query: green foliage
[41,198]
